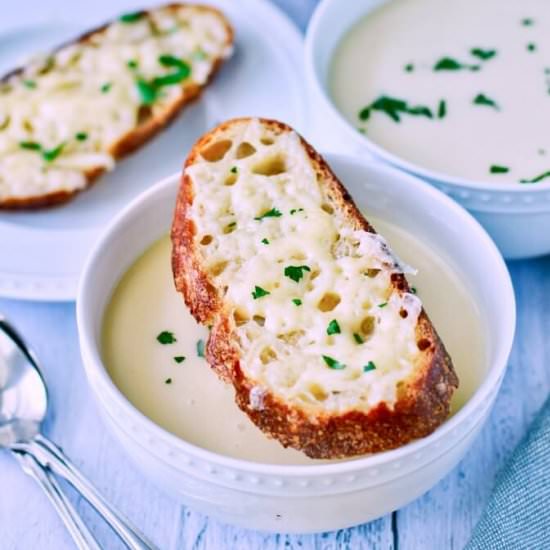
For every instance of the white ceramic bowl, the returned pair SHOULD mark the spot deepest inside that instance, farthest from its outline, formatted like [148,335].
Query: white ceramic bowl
[516,216]
[319,497]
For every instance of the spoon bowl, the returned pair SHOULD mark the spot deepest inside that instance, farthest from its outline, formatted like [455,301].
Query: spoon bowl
[23,393]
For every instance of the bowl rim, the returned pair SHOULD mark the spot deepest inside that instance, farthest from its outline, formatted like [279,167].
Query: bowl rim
[311,39]
[96,370]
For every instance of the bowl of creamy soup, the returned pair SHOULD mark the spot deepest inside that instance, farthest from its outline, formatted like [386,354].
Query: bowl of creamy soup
[144,358]
[456,92]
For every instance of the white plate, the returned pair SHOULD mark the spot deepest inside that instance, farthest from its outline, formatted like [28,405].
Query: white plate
[42,253]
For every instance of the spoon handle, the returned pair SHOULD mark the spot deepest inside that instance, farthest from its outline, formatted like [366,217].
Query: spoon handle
[82,537]
[49,454]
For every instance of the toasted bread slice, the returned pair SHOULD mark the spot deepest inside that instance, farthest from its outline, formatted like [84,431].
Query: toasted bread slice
[66,117]
[312,319]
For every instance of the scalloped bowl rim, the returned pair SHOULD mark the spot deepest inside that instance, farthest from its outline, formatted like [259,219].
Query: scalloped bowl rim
[95,368]
[312,36]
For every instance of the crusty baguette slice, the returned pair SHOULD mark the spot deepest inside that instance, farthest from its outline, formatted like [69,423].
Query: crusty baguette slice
[312,319]
[66,117]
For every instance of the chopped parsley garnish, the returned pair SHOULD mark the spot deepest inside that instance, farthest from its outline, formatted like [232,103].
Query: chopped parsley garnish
[527,22]
[409,67]
[294,210]
[333,327]
[482,99]
[132,64]
[496,169]
[81,136]
[168,381]
[297,301]
[413,290]
[442,109]
[147,91]
[31,84]
[52,154]
[295,272]
[166,337]
[333,363]
[394,107]
[179,358]
[183,71]
[358,338]
[30,145]
[450,64]
[536,179]
[273,213]
[49,155]
[265,241]
[106,87]
[369,366]
[131,17]
[531,47]
[484,55]
[233,170]
[383,304]
[200,348]
[259,292]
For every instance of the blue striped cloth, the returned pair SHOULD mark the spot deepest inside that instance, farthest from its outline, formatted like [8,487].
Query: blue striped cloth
[518,514]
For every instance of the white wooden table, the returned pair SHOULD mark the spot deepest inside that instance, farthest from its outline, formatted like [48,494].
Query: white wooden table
[440,520]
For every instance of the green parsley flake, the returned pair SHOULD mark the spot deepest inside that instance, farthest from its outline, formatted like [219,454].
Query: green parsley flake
[496,169]
[333,327]
[358,338]
[132,64]
[147,92]
[106,87]
[265,241]
[333,363]
[450,64]
[296,272]
[294,210]
[200,348]
[527,22]
[413,290]
[166,337]
[442,109]
[31,84]
[131,17]
[52,154]
[369,366]
[383,304]
[297,301]
[536,179]
[183,71]
[484,55]
[259,292]
[394,107]
[531,47]
[482,99]
[168,381]
[179,358]
[409,67]
[233,170]
[273,213]
[30,145]
[81,136]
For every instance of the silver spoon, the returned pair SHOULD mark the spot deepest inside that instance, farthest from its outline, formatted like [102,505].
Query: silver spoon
[23,406]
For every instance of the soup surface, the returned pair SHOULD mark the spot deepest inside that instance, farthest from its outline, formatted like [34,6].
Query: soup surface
[152,348]
[457,86]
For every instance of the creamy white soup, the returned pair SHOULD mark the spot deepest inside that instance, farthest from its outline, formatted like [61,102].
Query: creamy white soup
[153,350]
[457,86]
